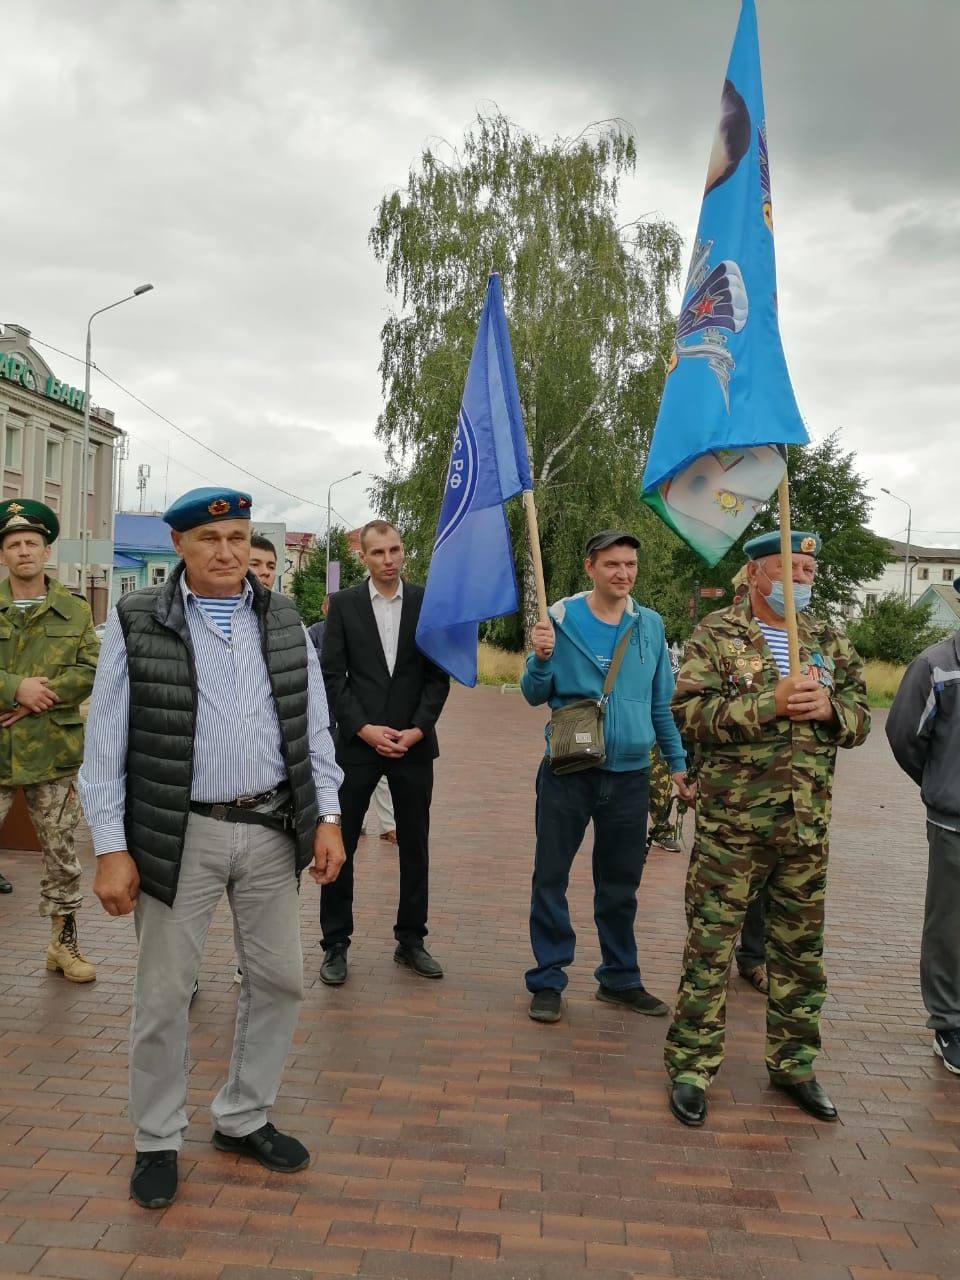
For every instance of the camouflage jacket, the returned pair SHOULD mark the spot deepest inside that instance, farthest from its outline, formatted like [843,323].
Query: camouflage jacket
[53,639]
[757,768]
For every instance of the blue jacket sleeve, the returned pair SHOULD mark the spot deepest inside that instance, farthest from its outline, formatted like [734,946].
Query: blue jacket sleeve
[536,683]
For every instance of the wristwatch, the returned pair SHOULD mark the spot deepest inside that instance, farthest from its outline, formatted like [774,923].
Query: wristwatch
[332,818]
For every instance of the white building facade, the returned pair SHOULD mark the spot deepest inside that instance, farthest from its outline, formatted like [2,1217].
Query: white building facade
[918,567]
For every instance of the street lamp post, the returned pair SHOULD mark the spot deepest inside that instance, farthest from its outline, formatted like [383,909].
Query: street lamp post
[907,571]
[85,461]
[329,491]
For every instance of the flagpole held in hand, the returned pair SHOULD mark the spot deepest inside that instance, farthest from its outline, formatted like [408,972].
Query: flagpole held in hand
[786,560]
[533,531]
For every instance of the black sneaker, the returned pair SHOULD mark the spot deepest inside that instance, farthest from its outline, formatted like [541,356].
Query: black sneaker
[545,1006]
[946,1045]
[153,1183]
[5,885]
[277,1151]
[333,971]
[636,998]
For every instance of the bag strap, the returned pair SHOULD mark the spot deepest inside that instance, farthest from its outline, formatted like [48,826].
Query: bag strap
[614,669]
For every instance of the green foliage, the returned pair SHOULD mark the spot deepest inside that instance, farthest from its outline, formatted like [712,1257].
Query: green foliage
[894,631]
[587,303]
[309,584]
[827,495]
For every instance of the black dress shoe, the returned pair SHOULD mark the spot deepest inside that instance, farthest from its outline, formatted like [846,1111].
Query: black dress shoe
[809,1095]
[688,1102]
[277,1151]
[5,885]
[419,960]
[333,971]
[153,1183]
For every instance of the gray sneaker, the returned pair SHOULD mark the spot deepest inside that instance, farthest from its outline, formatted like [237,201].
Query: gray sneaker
[636,998]
[545,1006]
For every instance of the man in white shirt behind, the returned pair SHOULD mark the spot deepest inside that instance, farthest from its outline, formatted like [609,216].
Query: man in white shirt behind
[386,698]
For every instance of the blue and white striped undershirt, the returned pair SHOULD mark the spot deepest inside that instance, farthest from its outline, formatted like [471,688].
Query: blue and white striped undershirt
[220,610]
[776,638]
[24,605]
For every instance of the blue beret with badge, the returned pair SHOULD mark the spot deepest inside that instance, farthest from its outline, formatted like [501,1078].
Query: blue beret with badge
[26,515]
[206,506]
[768,544]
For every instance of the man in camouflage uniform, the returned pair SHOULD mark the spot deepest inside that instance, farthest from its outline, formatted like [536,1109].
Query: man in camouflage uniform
[48,654]
[767,744]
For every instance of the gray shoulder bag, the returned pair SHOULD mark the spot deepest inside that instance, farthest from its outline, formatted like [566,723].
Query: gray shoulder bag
[576,730]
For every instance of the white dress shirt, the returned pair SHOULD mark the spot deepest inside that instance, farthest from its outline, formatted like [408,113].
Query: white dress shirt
[386,613]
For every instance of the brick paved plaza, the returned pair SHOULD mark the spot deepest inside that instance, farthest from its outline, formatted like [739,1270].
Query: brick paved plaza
[453,1138]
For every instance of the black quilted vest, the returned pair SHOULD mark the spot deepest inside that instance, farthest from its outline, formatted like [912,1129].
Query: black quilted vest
[163,684]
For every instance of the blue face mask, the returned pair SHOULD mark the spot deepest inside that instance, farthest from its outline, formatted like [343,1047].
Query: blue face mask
[801,598]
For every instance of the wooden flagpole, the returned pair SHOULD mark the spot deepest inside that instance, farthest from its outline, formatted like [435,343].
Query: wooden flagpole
[786,559]
[534,534]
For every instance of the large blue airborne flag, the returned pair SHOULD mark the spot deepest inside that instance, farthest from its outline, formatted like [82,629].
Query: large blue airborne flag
[471,576]
[728,407]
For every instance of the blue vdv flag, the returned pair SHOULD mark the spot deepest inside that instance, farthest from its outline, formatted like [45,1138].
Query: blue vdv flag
[471,576]
[728,408]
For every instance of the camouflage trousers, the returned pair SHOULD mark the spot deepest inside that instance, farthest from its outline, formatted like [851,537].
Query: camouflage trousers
[661,793]
[721,883]
[55,811]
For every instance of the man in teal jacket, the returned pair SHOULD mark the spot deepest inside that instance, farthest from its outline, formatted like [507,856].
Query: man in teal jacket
[571,656]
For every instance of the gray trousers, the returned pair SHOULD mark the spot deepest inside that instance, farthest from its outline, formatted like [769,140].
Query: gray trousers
[255,865]
[940,944]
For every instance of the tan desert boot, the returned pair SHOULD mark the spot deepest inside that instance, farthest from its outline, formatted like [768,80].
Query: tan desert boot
[63,953]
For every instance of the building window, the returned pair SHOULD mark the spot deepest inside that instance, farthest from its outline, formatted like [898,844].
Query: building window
[923,573]
[54,463]
[158,574]
[13,448]
[870,603]
[948,575]
[128,582]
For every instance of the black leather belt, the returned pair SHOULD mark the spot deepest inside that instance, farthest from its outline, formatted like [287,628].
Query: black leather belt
[247,809]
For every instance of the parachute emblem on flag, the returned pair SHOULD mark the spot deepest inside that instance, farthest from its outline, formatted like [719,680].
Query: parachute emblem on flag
[715,300]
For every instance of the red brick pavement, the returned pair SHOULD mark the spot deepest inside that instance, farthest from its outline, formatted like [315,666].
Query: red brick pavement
[455,1139]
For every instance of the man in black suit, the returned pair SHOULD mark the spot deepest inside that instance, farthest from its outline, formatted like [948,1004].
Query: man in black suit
[385,697]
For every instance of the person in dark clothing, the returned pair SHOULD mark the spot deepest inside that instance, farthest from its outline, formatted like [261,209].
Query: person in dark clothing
[386,698]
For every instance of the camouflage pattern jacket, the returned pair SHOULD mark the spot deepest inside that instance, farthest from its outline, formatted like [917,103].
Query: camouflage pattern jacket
[757,768]
[53,639]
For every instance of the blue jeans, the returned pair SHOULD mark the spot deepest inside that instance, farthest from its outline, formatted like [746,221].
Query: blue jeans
[617,804]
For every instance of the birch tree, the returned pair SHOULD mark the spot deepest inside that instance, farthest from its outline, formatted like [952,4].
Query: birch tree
[586,291]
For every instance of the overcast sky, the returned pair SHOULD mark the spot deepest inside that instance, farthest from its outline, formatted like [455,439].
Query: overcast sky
[233,154]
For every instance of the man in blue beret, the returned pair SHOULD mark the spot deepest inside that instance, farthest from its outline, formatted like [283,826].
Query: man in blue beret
[923,729]
[209,768]
[766,744]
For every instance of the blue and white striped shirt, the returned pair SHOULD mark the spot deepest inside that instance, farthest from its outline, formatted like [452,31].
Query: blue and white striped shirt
[237,749]
[777,643]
